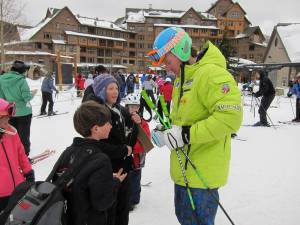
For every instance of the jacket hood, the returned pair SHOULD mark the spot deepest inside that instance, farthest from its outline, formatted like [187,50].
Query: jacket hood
[11,78]
[212,55]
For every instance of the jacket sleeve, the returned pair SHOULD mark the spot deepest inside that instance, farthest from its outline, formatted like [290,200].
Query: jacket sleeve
[114,151]
[22,158]
[263,88]
[102,186]
[51,84]
[219,94]
[25,91]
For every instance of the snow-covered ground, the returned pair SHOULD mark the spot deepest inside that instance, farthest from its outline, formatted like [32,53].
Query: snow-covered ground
[263,186]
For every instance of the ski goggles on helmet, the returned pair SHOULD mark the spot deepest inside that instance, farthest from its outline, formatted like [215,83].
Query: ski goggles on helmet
[159,55]
[9,110]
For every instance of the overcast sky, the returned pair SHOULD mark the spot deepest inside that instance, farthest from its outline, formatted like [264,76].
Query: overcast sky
[265,13]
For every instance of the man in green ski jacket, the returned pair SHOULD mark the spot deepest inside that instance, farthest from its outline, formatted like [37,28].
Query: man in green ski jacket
[206,109]
[14,88]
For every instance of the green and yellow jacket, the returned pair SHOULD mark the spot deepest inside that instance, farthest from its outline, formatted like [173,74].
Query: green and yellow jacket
[211,105]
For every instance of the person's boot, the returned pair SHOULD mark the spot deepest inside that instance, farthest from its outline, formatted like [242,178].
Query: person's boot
[51,113]
[43,113]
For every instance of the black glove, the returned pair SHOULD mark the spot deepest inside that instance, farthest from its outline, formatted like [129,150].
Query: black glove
[186,134]
[289,94]
[30,176]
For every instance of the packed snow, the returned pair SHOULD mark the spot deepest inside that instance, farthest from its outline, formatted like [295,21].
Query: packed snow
[263,186]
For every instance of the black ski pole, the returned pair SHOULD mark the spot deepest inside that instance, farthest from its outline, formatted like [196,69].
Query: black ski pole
[258,101]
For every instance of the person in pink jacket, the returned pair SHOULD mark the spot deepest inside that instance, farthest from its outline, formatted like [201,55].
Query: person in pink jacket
[14,164]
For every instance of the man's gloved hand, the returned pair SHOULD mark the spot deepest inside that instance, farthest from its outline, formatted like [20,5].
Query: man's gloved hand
[30,176]
[177,136]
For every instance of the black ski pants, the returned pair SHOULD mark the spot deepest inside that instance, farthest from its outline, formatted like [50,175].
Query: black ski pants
[264,105]
[297,109]
[3,202]
[22,124]
[119,213]
[47,97]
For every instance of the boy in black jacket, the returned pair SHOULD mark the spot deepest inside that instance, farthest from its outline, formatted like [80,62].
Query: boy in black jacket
[94,189]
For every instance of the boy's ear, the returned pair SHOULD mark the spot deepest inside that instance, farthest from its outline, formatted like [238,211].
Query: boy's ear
[94,129]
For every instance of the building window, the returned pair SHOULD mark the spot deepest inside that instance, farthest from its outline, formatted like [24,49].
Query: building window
[100,60]
[131,45]
[47,36]
[91,30]
[102,43]
[251,47]
[140,54]
[141,37]
[117,61]
[276,42]
[124,61]
[140,45]
[82,59]
[108,53]
[251,56]
[82,49]
[38,45]
[131,54]
[57,25]
[108,61]
[195,30]
[150,29]
[91,60]
[132,62]
[110,43]
[119,43]
[132,36]
[100,52]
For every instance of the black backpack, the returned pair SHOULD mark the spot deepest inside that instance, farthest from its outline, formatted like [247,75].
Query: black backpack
[43,202]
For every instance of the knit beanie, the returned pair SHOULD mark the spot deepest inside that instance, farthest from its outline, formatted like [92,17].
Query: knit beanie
[100,84]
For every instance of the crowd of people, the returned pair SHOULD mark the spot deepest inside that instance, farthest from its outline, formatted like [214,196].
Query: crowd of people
[108,187]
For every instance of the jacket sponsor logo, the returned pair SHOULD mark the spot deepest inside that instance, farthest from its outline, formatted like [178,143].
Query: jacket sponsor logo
[188,83]
[225,89]
[229,107]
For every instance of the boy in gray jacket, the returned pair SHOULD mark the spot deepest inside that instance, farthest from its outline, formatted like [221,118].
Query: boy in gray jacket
[47,89]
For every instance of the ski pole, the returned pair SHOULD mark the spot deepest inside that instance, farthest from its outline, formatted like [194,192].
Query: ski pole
[201,178]
[164,109]
[184,177]
[152,106]
[251,103]
[258,101]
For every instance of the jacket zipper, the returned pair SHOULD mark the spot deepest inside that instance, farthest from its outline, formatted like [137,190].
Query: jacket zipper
[4,149]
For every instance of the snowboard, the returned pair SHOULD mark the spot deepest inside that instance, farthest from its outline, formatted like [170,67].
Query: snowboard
[44,155]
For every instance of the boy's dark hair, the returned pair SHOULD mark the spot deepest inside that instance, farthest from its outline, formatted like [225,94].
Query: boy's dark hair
[100,69]
[90,113]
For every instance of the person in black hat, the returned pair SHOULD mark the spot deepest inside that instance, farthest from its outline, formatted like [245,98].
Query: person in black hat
[267,91]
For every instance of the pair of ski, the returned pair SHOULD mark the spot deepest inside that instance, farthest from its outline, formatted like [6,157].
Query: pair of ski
[56,114]
[40,157]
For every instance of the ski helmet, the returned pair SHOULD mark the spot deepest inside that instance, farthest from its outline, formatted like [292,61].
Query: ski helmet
[132,99]
[172,39]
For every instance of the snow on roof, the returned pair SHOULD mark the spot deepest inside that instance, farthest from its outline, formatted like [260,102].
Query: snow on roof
[264,44]
[185,26]
[27,53]
[160,14]
[240,60]
[27,34]
[97,64]
[136,17]
[240,36]
[208,16]
[290,36]
[35,53]
[59,42]
[16,42]
[93,36]
[95,22]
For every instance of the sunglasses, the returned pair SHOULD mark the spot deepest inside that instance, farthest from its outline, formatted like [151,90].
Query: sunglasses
[10,110]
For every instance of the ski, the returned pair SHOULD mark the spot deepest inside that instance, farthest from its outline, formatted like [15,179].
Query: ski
[45,154]
[239,139]
[146,184]
[289,122]
[45,116]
